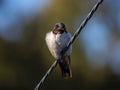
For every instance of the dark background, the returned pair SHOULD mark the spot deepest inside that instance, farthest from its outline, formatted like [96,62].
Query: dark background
[24,56]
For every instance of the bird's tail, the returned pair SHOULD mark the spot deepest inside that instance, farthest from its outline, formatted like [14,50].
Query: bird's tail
[65,67]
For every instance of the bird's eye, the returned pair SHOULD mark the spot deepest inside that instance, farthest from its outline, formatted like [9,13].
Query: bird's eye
[56,26]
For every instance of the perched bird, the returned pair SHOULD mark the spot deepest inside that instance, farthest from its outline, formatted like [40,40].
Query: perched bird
[57,40]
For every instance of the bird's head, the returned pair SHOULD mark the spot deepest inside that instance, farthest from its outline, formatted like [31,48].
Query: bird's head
[59,28]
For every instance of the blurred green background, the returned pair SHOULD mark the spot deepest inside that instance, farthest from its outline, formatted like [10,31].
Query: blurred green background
[24,56]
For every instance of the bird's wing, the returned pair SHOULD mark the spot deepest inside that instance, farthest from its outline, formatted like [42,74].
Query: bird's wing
[68,37]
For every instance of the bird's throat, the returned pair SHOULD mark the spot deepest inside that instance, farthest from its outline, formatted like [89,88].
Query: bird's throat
[58,31]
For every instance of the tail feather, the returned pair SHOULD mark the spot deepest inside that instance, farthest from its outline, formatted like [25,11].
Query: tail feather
[66,73]
[65,67]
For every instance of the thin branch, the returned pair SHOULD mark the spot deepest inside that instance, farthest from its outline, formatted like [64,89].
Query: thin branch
[53,66]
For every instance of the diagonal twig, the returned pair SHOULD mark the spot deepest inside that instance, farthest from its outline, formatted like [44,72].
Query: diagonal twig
[53,66]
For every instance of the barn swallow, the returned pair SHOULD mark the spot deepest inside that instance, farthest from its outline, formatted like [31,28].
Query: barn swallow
[57,40]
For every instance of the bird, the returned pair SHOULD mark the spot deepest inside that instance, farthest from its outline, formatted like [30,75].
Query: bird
[57,40]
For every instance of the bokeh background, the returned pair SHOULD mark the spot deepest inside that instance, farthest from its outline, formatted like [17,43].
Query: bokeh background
[24,56]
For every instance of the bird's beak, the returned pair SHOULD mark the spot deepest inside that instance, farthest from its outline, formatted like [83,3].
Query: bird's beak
[61,28]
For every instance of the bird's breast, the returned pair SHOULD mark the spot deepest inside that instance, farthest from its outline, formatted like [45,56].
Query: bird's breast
[56,43]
